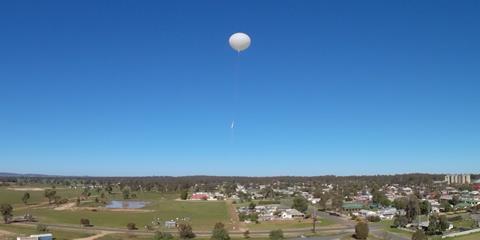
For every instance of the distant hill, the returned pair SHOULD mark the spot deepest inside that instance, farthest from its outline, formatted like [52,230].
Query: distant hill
[6,174]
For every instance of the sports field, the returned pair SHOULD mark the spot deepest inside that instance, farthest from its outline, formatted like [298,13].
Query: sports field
[202,215]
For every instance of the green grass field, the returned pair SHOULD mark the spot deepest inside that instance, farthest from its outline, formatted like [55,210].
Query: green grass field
[474,236]
[25,231]
[15,197]
[202,215]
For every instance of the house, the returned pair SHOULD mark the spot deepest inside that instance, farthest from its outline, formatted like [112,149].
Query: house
[366,213]
[476,184]
[292,214]
[407,190]
[351,207]
[199,196]
[47,236]
[387,213]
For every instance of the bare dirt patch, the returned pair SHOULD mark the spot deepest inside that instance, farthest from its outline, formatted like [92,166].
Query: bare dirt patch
[26,189]
[5,234]
[67,206]
[127,210]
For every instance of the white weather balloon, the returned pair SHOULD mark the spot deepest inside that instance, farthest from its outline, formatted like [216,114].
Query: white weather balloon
[239,41]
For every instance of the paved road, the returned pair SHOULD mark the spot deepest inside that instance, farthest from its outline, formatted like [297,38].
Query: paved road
[296,231]
[342,227]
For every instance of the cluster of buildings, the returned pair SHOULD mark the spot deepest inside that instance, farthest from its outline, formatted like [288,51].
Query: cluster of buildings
[272,212]
[449,197]
[207,196]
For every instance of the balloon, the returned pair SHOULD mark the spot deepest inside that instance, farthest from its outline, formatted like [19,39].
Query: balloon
[239,41]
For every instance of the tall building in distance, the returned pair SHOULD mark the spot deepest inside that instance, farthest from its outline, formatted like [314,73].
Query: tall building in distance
[458,179]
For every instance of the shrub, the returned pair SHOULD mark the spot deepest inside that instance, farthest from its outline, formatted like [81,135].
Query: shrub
[131,226]
[400,221]
[373,218]
[276,234]
[219,232]
[85,222]
[42,228]
[185,231]
[361,230]
[246,234]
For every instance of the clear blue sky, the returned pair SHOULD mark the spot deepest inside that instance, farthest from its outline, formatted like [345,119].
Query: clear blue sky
[327,87]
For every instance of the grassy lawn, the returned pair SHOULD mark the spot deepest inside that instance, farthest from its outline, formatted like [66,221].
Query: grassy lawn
[474,236]
[287,224]
[203,215]
[137,237]
[14,197]
[124,237]
[386,225]
[59,235]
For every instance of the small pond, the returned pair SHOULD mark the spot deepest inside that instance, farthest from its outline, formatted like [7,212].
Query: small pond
[126,204]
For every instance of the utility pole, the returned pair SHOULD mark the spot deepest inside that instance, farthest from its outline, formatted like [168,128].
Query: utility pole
[314,217]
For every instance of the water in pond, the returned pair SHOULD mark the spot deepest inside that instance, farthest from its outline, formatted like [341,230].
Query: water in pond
[126,204]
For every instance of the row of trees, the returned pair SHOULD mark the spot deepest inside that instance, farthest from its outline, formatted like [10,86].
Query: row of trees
[349,184]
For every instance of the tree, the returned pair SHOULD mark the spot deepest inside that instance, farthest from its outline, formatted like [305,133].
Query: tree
[361,230]
[400,203]
[109,189]
[437,224]
[413,208]
[50,194]
[131,226]
[446,206]
[443,222]
[425,207]
[276,234]
[85,222]
[219,232]
[126,193]
[379,198]
[300,203]
[184,194]
[185,231]
[268,192]
[433,225]
[400,221]
[419,235]
[252,205]
[25,198]
[41,228]
[246,234]
[7,211]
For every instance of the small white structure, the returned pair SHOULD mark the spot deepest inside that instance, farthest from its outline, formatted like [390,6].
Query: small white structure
[387,213]
[47,236]
[292,214]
